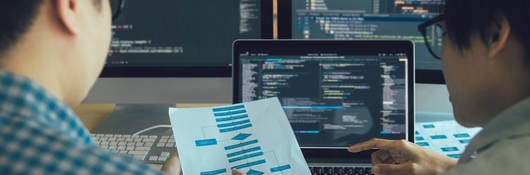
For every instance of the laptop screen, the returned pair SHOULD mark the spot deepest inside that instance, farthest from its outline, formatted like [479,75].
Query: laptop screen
[335,93]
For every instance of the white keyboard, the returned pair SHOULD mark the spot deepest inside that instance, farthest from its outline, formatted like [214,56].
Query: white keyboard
[148,148]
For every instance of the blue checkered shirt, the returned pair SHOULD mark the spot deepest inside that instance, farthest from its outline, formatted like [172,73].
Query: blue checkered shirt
[39,134]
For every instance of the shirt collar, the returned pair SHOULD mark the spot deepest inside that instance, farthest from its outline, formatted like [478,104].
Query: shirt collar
[511,123]
[25,100]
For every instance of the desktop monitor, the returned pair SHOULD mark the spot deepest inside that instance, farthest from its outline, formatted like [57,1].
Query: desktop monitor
[177,51]
[364,19]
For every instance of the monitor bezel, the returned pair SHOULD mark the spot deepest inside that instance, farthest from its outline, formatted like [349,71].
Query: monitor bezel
[190,71]
[427,76]
[310,153]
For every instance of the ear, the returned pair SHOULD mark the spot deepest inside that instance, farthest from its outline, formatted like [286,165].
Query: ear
[66,11]
[499,35]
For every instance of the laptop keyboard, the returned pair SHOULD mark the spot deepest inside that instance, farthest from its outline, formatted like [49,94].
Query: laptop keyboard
[341,170]
[148,148]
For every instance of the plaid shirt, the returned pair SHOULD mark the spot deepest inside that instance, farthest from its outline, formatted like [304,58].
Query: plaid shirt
[39,134]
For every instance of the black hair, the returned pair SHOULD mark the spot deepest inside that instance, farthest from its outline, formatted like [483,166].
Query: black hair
[467,17]
[16,17]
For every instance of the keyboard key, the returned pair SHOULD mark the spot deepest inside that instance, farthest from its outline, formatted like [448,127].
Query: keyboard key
[149,144]
[139,157]
[148,140]
[104,143]
[153,158]
[135,152]
[170,145]
[165,154]
[142,148]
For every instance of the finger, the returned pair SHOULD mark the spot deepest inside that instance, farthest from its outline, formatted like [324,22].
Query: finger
[381,156]
[371,144]
[172,165]
[404,151]
[393,169]
[236,172]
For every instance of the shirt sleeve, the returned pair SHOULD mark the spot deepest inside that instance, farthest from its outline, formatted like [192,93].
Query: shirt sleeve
[28,149]
[510,156]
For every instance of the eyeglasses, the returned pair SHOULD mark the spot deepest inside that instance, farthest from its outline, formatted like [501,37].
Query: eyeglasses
[433,34]
[116,6]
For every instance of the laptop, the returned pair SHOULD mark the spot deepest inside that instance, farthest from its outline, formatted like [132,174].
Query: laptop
[335,93]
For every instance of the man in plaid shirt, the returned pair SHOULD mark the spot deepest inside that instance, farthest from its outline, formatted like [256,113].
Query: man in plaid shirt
[51,52]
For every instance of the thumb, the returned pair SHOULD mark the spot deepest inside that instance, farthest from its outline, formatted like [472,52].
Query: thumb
[393,169]
[172,165]
[236,172]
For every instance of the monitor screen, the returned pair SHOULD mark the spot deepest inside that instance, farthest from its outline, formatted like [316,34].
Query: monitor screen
[174,38]
[177,51]
[335,94]
[366,19]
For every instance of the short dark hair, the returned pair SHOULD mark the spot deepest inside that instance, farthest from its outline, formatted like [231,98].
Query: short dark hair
[16,17]
[466,17]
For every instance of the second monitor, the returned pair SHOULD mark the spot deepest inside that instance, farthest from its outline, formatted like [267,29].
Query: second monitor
[177,51]
[364,19]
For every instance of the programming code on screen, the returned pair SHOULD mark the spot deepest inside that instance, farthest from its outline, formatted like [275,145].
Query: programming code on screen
[366,19]
[182,32]
[332,100]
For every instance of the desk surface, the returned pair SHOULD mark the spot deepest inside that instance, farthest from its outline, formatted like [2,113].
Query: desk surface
[92,114]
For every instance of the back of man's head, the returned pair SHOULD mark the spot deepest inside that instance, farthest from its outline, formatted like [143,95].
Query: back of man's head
[467,17]
[55,42]
[16,17]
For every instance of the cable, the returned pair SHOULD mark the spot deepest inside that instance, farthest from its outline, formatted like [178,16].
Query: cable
[152,127]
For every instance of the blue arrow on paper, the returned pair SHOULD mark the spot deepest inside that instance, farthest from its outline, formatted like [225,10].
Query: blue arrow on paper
[254,172]
[241,136]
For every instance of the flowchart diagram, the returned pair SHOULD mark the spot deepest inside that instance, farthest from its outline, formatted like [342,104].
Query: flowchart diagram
[254,137]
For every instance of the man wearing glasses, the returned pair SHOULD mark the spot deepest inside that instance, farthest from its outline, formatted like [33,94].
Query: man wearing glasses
[51,53]
[484,46]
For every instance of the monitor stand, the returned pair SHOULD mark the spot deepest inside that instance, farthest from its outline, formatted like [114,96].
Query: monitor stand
[144,119]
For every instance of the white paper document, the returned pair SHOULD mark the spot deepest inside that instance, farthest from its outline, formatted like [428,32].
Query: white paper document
[446,137]
[254,137]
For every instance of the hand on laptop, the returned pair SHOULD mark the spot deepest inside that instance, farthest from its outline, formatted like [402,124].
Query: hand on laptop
[402,157]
